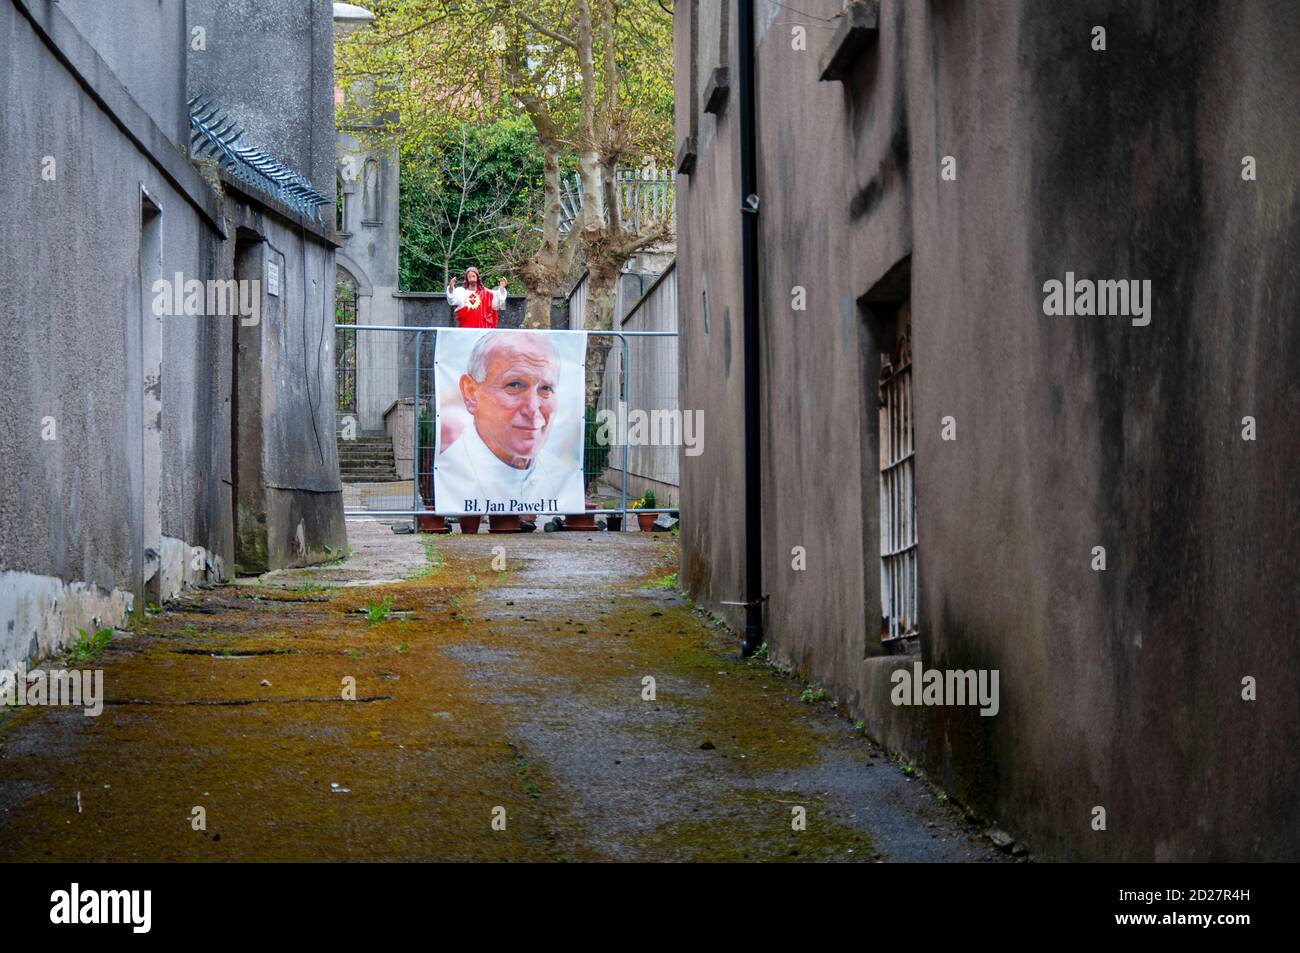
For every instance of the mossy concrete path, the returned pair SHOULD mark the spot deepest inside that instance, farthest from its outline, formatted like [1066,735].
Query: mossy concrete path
[502,710]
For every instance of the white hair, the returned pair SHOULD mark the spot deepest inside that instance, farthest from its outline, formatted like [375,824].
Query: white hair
[478,357]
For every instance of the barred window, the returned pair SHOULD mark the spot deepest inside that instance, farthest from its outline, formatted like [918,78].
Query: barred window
[345,342]
[898,563]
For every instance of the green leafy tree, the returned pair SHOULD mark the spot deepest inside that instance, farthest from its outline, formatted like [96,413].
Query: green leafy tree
[463,200]
[594,79]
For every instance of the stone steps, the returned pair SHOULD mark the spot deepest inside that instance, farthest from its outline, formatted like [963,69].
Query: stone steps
[367,459]
[368,476]
[364,453]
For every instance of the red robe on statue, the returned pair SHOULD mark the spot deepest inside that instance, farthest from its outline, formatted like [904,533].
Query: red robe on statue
[474,309]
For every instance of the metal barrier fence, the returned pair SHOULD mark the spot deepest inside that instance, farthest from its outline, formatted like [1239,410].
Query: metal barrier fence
[386,434]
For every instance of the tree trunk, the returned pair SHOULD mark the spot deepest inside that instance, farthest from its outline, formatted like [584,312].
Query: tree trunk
[602,280]
[537,310]
[542,274]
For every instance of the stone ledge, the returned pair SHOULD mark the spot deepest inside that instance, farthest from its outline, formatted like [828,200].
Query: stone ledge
[715,92]
[686,156]
[858,30]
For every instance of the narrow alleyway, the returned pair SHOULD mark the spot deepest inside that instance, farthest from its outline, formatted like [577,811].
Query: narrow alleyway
[520,689]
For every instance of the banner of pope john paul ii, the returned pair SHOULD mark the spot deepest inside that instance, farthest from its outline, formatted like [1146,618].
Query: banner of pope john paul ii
[509,429]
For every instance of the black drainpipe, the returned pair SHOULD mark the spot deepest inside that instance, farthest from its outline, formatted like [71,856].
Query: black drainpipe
[749,297]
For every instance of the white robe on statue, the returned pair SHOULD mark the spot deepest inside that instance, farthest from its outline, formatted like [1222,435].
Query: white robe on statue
[468,477]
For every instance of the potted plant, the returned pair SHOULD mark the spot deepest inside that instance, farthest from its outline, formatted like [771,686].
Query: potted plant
[646,521]
[431,523]
[613,520]
[504,523]
[469,524]
[582,521]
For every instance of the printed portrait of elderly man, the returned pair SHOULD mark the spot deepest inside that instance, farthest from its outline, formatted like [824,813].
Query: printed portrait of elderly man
[507,451]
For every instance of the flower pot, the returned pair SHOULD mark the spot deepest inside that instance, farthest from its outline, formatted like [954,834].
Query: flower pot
[504,524]
[582,521]
[614,522]
[646,521]
[469,524]
[431,524]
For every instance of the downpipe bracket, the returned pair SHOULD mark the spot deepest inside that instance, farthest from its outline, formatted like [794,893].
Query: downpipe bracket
[752,602]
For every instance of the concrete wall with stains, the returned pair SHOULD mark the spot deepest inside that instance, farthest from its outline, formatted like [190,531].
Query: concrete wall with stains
[710,375]
[289,509]
[1121,688]
[270,63]
[155,80]
[75,457]
[115,434]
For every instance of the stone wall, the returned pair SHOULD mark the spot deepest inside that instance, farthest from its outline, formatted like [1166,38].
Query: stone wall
[1119,688]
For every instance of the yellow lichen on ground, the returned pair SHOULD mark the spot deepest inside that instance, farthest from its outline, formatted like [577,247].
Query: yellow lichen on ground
[475,690]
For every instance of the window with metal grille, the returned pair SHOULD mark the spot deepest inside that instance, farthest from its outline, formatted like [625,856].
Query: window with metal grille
[898,590]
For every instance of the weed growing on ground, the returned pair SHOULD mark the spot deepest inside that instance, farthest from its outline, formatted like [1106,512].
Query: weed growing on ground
[762,659]
[337,555]
[812,694]
[377,610]
[433,557]
[87,646]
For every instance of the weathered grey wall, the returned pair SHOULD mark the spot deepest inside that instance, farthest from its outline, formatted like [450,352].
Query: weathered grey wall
[287,467]
[270,65]
[72,306]
[304,507]
[1119,688]
[83,513]
[370,245]
[709,324]
[157,80]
